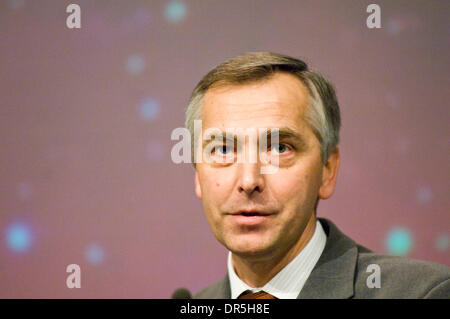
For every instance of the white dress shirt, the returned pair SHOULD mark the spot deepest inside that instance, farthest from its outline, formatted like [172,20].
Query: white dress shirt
[287,283]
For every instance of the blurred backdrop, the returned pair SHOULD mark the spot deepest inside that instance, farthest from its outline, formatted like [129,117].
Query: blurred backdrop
[86,116]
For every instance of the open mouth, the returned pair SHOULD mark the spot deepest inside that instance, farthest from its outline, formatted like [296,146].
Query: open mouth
[251,214]
[250,218]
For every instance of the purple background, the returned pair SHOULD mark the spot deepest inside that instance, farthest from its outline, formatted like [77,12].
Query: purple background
[86,116]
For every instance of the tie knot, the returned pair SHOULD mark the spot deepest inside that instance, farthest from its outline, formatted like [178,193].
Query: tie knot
[256,295]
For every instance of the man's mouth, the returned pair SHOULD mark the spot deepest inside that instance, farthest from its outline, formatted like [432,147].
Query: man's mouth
[250,217]
[252,212]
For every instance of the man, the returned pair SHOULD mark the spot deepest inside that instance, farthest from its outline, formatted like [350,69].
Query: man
[278,248]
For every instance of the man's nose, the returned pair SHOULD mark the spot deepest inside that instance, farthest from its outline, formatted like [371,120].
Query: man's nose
[250,178]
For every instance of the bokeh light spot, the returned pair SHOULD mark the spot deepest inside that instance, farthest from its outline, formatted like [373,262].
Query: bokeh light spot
[175,11]
[406,23]
[392,100]
[135,64]
[16,4]
[399,241]
[149,108]
[24,190]
[395,27]
[402,144]
[18,237]
[442,242]
[94,254]
[424,194]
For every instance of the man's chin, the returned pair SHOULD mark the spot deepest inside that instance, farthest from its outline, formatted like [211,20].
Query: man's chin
[249,247]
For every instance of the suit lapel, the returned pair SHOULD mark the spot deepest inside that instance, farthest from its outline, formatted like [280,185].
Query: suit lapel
[223,290]
[333,275]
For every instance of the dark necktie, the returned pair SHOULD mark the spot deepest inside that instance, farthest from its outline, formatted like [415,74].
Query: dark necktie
[256,295]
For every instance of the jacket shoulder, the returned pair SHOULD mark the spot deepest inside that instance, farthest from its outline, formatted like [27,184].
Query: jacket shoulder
[217,290]
[400,277]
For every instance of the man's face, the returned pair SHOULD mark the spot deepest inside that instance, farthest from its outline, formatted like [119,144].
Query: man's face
[233,193]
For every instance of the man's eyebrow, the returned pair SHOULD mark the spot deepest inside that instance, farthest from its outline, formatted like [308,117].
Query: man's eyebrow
[286,133]
[283,133]
[220,136]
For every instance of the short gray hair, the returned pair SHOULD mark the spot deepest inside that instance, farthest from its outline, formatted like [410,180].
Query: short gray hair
[323,114]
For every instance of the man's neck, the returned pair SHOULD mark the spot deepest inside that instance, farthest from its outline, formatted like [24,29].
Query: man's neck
[258,272]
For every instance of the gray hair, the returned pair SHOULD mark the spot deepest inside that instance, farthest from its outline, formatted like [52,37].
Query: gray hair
[323,114]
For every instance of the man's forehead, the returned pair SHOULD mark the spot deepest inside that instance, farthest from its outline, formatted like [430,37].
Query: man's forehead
[279,101]
[281,86]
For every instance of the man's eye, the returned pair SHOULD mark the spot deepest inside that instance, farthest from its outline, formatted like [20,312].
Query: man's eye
[279,148]
[222,149]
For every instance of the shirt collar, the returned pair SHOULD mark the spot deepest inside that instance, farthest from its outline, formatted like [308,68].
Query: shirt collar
[287,283]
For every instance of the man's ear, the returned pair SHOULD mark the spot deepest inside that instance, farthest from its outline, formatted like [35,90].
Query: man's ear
[198,190]
[329,175]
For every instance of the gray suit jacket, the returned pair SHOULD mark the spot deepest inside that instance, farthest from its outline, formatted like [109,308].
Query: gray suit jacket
[341,272]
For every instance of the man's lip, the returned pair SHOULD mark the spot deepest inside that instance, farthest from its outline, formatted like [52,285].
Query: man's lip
[250,218]
[251,213]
